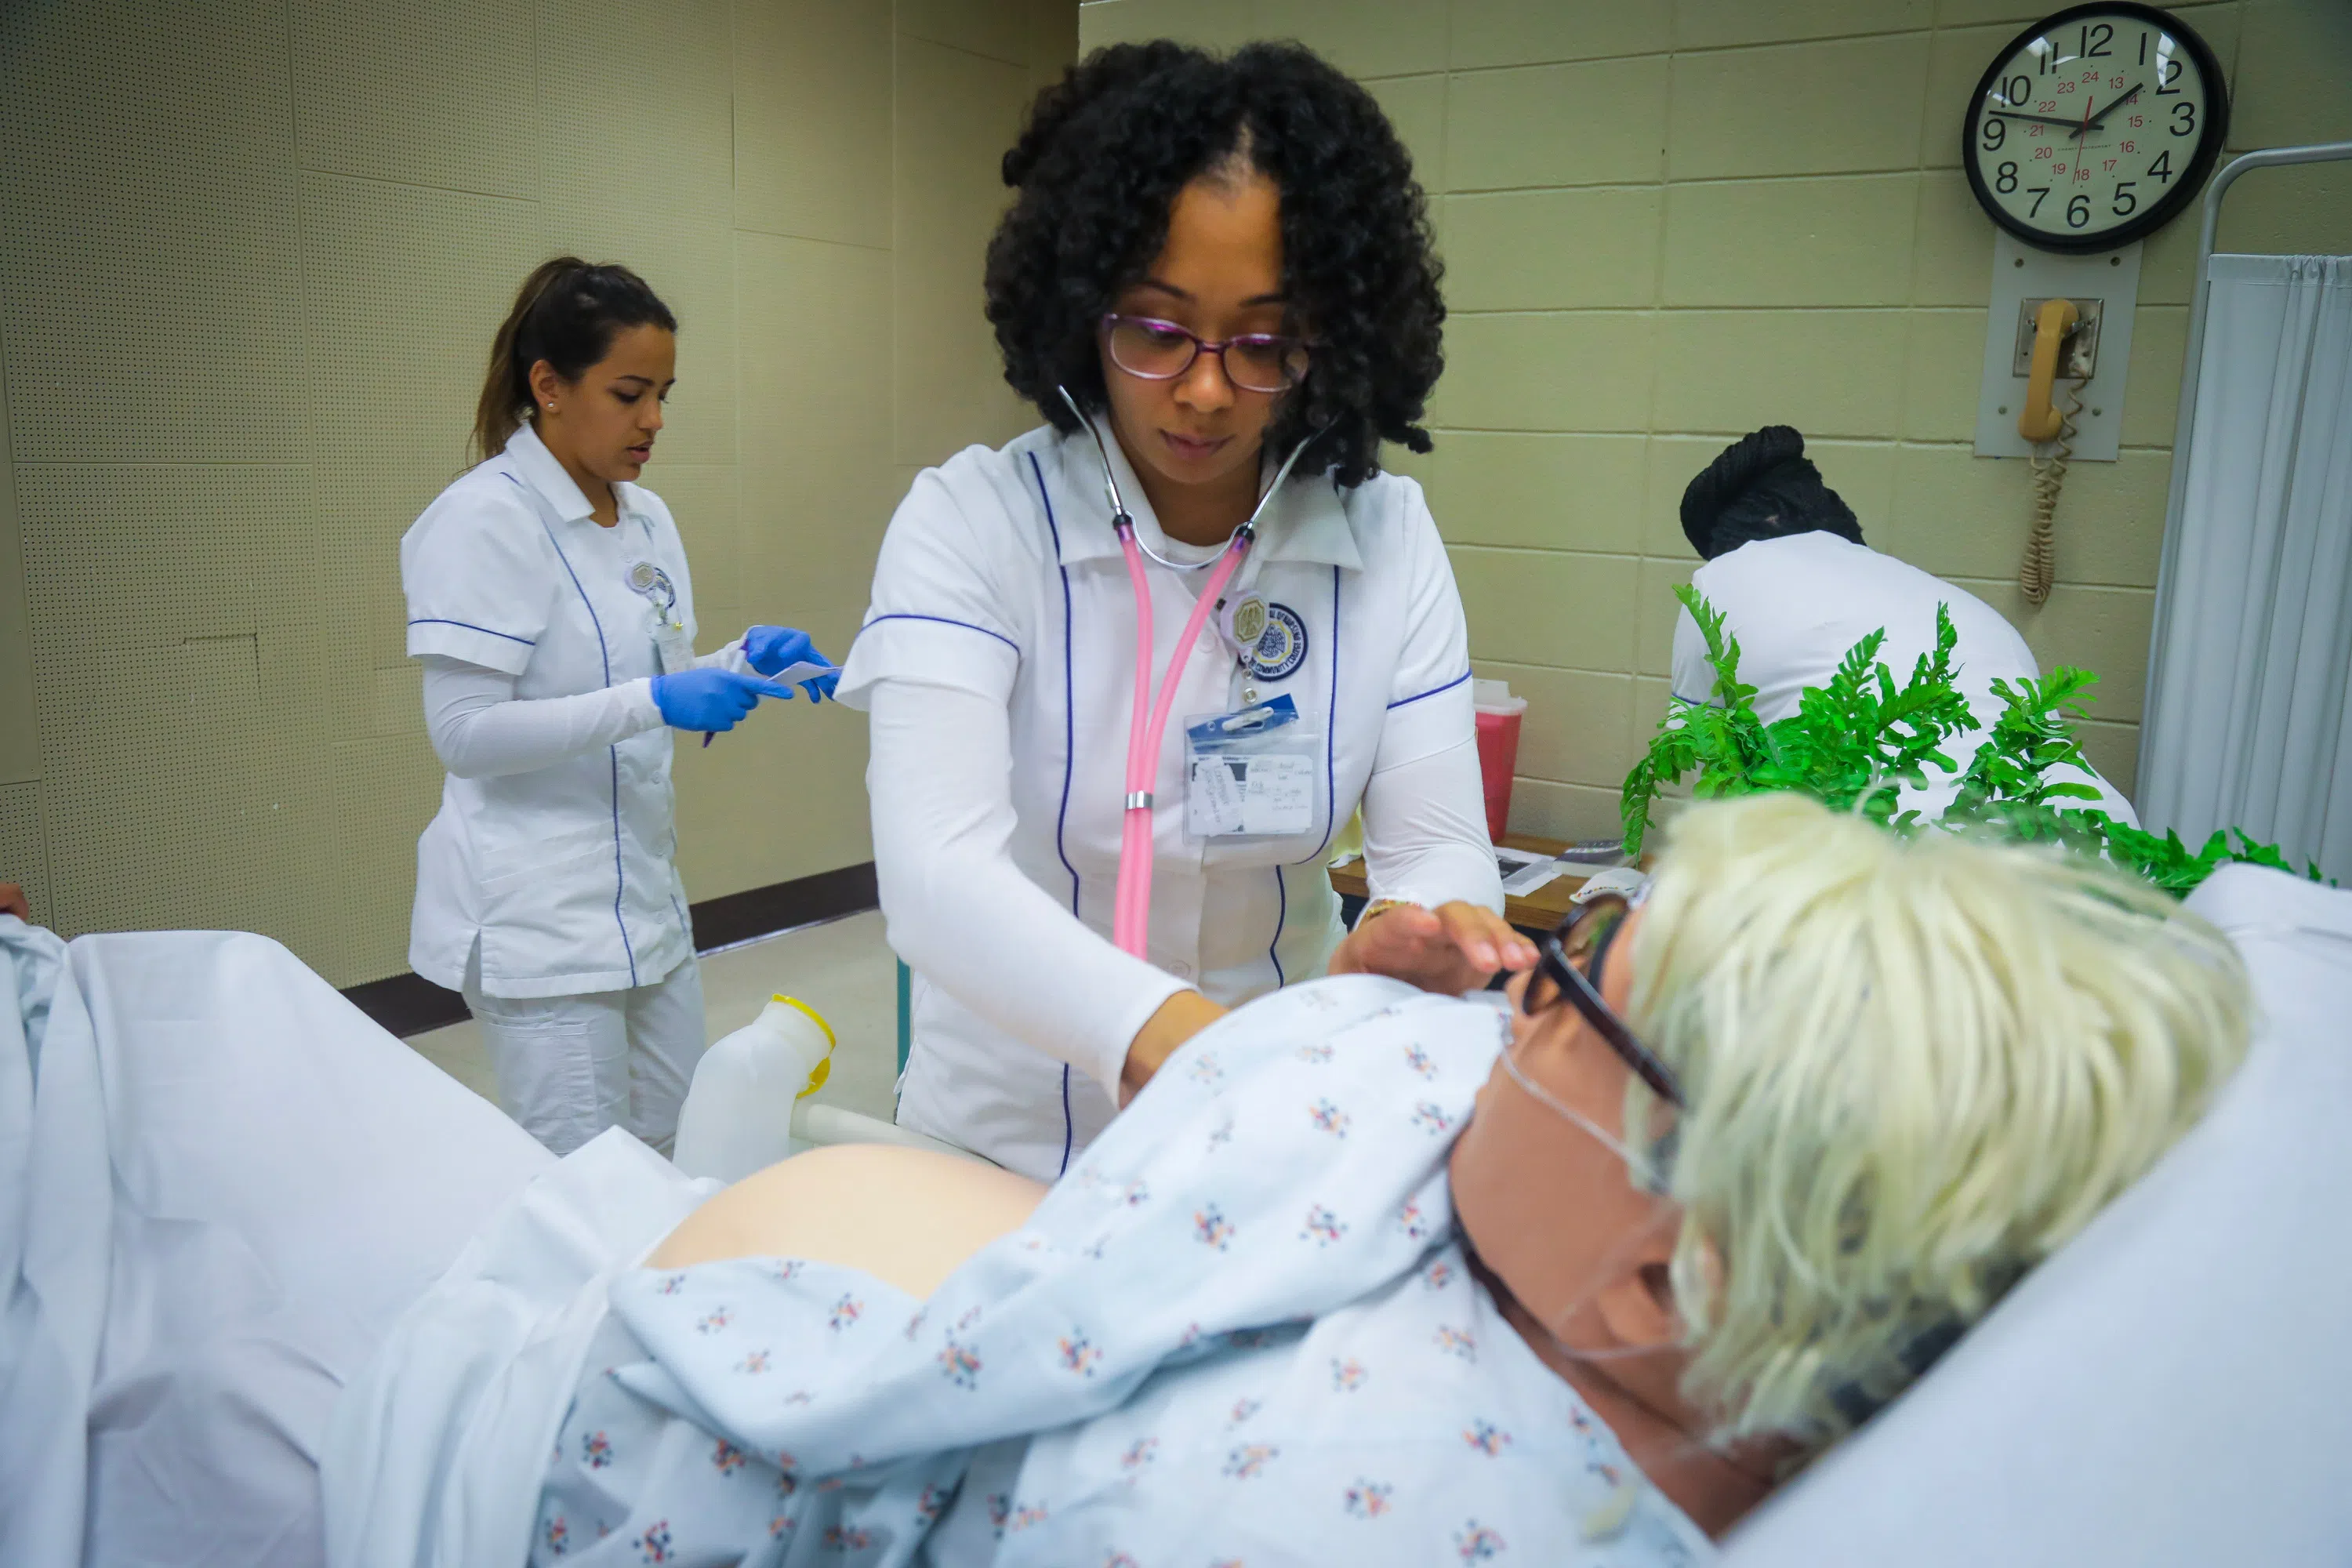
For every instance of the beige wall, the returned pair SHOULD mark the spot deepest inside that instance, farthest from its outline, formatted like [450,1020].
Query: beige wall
[1666,224]
[254,256]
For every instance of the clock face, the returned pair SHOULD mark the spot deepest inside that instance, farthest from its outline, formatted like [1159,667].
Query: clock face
[2095,126]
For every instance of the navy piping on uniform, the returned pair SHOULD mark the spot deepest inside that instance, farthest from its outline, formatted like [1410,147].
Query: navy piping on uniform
[1331,789]
[1069,759]
[1408,701]
[1069,695]
[944,620]
[620,876]
[1069,1128]
[468,626]
[1281,915]
[1331,736]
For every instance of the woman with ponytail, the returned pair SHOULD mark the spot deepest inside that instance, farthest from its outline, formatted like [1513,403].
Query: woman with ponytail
[549,603]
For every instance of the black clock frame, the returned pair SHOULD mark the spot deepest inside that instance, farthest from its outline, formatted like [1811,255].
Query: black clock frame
[2185,187]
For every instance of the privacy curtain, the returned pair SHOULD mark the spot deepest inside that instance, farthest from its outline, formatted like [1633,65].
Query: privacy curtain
[2250,714]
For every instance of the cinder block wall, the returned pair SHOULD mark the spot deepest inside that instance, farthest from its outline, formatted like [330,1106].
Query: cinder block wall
[1666,224]
[251,256]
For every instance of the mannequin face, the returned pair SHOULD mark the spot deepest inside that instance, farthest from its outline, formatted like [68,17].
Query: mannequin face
[1218,276]
[1552,1210]
[603,426]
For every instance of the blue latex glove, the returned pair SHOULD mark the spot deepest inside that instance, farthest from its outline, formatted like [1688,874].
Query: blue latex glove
[771,648]
[711,701]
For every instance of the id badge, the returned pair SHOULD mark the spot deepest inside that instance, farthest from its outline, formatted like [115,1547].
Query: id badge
[1250,773]
[673,643]
[672,647]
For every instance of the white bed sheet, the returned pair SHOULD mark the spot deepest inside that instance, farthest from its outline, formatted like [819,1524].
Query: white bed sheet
[229,1183]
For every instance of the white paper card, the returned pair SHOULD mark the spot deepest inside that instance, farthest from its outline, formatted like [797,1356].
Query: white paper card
[1528,878]
[1256,794]
[672,647]
[1212,803]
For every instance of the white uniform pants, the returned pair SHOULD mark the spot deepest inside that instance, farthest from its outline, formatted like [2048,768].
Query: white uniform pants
[570,1066]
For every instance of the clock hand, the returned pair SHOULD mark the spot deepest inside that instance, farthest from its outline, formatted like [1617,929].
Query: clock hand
[2095,121]
[2044,119]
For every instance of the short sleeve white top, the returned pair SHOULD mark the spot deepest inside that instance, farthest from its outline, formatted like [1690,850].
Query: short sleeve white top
[1797,603]
[563,874]
[1000,575]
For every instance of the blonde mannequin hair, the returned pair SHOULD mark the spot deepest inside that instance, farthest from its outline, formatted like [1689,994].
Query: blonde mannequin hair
[1914,1067]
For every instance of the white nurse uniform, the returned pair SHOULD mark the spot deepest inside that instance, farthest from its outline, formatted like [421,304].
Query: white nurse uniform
[997,661]
[1799,602]
[545,887]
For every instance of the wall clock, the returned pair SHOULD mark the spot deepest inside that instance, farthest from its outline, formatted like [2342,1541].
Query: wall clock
[2095,126]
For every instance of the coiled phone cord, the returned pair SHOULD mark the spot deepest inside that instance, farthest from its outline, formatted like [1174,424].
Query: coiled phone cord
[2039,571]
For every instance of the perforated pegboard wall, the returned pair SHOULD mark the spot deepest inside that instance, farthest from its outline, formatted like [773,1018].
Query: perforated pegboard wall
[177,655]
[254,257]
[24,854]
[389,406]
[149,287]
[434,95]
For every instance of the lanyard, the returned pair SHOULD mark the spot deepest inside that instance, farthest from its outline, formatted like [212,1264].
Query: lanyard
[1131,910]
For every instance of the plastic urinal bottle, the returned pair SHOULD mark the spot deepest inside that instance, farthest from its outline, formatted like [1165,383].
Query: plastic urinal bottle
[738,1116]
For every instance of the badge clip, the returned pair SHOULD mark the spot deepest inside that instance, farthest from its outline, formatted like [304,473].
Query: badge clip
[1244,721]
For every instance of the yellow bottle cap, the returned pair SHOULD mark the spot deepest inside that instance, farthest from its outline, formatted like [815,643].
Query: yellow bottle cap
[824,1069]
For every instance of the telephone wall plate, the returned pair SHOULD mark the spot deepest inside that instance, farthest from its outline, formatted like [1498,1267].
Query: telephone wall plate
[2105,287]
[2077,356]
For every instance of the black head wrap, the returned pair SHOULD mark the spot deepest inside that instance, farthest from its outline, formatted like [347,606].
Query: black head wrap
[1763,486]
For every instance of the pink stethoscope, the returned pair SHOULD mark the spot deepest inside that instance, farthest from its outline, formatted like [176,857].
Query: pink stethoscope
[1131,910]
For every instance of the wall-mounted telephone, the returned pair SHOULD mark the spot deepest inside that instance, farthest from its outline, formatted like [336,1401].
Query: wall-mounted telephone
[2057,344]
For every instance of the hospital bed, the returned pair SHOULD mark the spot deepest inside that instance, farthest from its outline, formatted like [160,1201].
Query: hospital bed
[195,1209]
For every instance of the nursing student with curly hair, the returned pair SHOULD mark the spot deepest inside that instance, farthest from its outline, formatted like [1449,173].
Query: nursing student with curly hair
[1215,284]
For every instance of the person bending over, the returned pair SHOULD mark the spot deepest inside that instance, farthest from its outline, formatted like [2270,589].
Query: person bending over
[1786,565]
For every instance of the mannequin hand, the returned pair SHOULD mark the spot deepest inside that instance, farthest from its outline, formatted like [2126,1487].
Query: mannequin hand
[1451,949]
[771,648]
[1179,1018]
[711,701]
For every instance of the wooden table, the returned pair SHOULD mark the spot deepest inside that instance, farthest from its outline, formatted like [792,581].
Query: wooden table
[1537,912]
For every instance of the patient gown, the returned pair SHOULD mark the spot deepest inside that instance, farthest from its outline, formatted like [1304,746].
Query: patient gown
[1241,1331]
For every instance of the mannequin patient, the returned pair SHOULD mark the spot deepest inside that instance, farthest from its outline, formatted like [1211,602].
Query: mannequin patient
[1374,1274]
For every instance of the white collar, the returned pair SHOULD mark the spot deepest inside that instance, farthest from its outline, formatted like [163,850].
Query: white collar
[538,467]
[1305,523]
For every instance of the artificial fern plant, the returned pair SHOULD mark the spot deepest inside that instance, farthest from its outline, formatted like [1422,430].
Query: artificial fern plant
[1850,743]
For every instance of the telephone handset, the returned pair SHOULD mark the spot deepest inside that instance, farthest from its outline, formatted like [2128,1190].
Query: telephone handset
[2042,423]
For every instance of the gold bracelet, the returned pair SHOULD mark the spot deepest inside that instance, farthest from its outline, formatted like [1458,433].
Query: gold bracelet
[1380,906]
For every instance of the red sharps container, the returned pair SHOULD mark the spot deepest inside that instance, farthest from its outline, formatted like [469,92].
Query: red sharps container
[1498,748]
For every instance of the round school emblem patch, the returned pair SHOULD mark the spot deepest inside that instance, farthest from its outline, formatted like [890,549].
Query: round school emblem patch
[1281,647]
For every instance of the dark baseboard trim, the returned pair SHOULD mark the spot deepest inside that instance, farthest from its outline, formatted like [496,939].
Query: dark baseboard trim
[409,1005]
[780,906]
